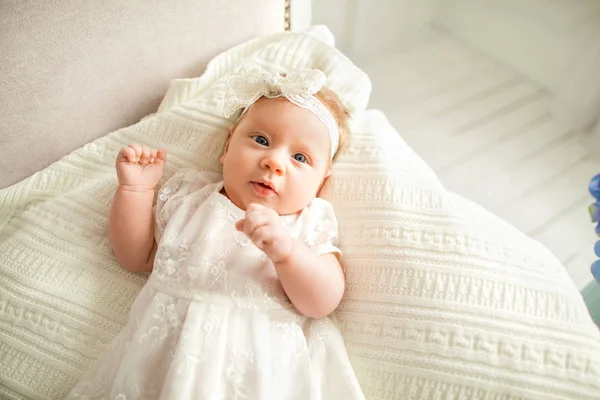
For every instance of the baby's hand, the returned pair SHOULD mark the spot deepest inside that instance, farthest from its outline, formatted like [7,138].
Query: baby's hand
[140,168]
[263,227]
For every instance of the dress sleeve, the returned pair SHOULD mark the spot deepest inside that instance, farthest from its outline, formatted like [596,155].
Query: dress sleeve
[321,230]
[174,192]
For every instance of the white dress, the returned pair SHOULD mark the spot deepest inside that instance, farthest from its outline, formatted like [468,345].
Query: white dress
[213,321]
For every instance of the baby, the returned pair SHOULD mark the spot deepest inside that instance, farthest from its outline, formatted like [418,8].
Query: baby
[245,267]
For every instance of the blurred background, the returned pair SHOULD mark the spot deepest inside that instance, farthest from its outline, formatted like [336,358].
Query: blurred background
[500,97]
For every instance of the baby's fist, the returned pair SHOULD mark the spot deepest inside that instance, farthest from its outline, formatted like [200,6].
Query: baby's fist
[263,227]
[140,167]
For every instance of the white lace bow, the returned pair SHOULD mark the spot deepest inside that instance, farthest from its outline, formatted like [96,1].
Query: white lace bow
[249,82]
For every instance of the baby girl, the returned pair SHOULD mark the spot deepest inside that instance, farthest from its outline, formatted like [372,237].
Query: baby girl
[245,268]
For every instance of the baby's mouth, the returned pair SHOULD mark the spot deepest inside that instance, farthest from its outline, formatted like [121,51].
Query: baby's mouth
[263,189]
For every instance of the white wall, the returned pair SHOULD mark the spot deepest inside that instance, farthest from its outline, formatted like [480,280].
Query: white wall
[300,11]
[596,140]
[554,42]
[367,27]
[333,14]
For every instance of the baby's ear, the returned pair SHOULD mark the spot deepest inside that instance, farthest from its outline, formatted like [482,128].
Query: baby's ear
[230,132]
[229,135]
[325,178]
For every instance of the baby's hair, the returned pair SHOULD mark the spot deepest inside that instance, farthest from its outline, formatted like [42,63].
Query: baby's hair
[340,113]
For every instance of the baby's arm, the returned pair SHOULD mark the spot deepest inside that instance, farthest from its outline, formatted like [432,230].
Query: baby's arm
[131,229]
[314,284]
[131,221]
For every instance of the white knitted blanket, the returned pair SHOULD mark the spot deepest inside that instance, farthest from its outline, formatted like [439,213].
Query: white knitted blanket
[443,301]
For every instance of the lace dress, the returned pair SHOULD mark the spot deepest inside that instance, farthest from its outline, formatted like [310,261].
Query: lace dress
[213,321]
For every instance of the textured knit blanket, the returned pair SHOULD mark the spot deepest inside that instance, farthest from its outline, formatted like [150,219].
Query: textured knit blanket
[443,300]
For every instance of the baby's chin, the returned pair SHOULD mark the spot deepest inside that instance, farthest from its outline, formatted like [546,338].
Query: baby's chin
[282,208]
[289,209]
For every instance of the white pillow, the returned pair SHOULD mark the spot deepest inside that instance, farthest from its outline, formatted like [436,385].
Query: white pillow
[443,301]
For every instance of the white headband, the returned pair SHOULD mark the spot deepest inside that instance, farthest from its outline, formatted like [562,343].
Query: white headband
[249,82]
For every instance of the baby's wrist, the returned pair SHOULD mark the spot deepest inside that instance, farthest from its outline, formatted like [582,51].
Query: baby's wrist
[286,256]
[136,188]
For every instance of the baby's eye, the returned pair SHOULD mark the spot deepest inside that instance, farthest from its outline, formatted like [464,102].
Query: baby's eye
[300,157]
[261,140]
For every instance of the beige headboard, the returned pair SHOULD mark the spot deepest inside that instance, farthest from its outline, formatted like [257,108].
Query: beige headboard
[73,71]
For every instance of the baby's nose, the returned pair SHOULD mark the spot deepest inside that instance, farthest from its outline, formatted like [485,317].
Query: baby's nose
[274,161]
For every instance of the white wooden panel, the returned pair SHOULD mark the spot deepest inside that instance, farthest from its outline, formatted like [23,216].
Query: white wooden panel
[578,265]
[363,27]
[439,104]
[543,169]
[555,42]
[334,15]
[476,139]
[535,210]
[534,36]
[572,221]
[499,156]
[492,136]
[382,25]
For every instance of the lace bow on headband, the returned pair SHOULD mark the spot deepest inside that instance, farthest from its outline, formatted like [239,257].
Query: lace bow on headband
[249,82]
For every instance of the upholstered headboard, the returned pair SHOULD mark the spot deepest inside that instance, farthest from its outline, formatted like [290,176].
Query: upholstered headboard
[73,71]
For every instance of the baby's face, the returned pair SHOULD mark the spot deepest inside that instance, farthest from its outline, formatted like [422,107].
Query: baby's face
[277,156]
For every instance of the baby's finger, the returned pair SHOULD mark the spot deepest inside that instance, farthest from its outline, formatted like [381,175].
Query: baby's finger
[262,236]
[145,155]
[131,157]
[256,218]
[161,156]
[152,156]
[126,154]
[240,225]
[137,149]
